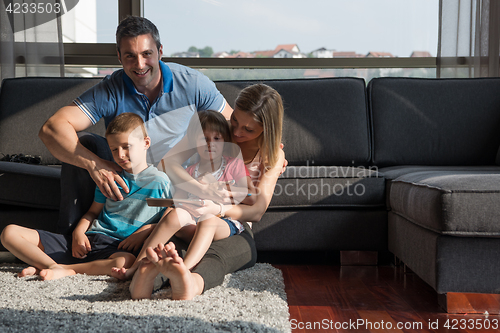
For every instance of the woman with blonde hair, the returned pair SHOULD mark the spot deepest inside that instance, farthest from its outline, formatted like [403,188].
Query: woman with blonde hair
[256,127]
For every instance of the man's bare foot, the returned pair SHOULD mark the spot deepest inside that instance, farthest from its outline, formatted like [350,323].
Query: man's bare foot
[143,280]
[55,272]
[170,264]
[28,271]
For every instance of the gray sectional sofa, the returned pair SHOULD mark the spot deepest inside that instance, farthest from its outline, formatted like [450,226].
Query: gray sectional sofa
[409,166]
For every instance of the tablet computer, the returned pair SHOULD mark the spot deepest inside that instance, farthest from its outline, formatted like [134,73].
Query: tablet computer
[171,202]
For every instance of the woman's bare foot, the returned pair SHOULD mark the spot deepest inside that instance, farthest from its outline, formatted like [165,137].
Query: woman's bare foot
[28,271]
[143,280]
[55,272]
[170,264]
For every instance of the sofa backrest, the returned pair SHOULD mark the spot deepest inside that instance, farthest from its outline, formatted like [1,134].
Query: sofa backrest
[25,105]
[434,121]
[325,122]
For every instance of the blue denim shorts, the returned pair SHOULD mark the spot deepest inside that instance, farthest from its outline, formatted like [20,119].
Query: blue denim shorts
[232,228]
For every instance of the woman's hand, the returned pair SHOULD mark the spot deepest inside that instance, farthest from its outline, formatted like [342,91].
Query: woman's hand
[285,162]
[209,208]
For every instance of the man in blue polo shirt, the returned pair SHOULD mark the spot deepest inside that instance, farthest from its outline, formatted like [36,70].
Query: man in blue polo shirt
[164,95]
[166,115]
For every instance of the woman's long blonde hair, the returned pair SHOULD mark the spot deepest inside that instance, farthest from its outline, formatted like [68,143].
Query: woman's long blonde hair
[266,105]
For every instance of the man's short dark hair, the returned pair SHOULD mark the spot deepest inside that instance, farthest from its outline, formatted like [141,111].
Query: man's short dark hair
[133,26]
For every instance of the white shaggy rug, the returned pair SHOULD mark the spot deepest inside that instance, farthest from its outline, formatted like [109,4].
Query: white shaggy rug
[253,300]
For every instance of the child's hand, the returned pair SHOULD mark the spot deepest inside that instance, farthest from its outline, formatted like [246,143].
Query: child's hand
[134,242]
[81,246]
[210,208]
[218,191]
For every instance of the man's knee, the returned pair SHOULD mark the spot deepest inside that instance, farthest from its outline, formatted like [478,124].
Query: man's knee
[96,144]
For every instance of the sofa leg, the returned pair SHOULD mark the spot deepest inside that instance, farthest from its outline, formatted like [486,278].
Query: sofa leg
[358,258]
[470,303]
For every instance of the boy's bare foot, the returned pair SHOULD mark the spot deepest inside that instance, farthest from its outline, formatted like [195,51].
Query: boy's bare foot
[28,271]
[123,273]
[55,272]
[170,264]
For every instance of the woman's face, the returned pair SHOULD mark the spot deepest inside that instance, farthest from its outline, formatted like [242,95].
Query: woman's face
[244,127]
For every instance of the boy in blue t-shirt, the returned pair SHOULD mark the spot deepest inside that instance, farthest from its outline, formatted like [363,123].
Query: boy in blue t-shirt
[107,234]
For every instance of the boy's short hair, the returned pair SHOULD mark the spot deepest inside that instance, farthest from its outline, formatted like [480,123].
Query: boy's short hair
[126,122]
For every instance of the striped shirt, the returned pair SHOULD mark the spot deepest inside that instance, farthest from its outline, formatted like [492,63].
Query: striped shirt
[120,219]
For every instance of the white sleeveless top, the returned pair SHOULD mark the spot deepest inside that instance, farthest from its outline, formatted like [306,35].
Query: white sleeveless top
[256,169]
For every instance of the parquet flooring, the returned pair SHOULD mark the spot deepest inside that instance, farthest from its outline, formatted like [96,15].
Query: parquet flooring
[324,298]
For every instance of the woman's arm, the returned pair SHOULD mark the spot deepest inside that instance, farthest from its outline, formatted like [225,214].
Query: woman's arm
[244,192]
[265,192]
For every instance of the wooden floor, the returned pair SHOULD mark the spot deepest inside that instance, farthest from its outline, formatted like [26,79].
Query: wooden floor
[338,298]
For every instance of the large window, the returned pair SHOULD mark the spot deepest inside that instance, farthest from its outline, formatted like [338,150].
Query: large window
[296,28]
[260,35]
[91,21]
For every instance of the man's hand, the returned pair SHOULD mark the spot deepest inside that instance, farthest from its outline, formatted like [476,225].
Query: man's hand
[135,241]
[105,175]
[81,245]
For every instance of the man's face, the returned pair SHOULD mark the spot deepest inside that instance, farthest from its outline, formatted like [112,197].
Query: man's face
[140,60]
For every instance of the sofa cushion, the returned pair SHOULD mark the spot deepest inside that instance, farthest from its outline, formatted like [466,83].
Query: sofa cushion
[317,187]
[27,185]
[391,173]
[435,121]
[26,103]
[322,230]
[460,203]
[326,120]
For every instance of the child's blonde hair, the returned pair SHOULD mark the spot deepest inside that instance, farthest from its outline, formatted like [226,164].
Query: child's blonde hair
[266,105]
[126,122]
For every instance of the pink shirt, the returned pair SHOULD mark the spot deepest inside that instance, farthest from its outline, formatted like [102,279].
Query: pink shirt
[235,169]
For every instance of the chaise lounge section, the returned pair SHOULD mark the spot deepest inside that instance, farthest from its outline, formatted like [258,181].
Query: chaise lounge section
[437,142]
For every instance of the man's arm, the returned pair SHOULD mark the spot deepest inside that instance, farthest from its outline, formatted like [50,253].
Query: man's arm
[59,135]
[228,110]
